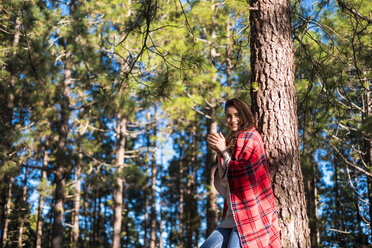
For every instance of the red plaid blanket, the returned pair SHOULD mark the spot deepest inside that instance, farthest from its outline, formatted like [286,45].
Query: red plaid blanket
[252,198]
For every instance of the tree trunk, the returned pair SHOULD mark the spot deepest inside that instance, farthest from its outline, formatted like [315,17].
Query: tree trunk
[311,189]
[153,185]
[228,53]
[61,166]
[146,220]
[181,217]
[191,209]
[75,234]
[211,167]
[4,221]
[85,204]
[7,213]
[211,191]
[23,214]
[273,98]
[39,225]
[193,195]
[368,145]
[61,160]
[119,181]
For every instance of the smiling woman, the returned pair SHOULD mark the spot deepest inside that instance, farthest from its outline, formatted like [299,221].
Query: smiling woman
[242,178]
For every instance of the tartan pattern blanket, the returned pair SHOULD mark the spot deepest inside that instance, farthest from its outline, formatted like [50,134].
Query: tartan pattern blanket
[251,194]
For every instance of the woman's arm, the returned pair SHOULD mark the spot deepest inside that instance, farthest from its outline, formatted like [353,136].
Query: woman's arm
[223,159]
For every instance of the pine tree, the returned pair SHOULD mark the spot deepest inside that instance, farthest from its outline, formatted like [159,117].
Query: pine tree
[274,103]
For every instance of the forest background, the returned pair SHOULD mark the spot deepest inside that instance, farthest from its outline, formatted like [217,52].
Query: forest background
[105,108]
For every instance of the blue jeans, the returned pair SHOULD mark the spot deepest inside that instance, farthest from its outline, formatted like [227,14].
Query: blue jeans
[222,238]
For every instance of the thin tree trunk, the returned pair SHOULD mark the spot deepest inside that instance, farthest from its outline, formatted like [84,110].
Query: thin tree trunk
[61,161]
[191,190]
[211,155]
[194,179]
[368,145]
[8,122]
[85,240]
[189,205]
[39,225]
[311,190]
[211,191]
[273,98]
[8,211]
[147,176]
[119,181]
[23,214]
[181,217]
[60,171]
[315,236]
[75,235]
[153,185]
[337,205]
[228,53]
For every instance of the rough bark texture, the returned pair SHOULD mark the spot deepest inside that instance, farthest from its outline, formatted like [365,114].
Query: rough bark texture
[119,181]
[211,191]
[273,98]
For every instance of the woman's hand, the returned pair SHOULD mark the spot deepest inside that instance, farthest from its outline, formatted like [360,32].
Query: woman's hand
[217,142]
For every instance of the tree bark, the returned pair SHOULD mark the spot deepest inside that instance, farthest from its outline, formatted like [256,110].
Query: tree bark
[312,202]
[39,225]
[85,204]
[153,186]
[273,98]
[368,145]
[228,53]
[146,221]
[23,214]
[181,217]
[211,167]
[61,160]
[119,181]
[75,234]
[7,214]
[4,221]
[61,166]
[211,191]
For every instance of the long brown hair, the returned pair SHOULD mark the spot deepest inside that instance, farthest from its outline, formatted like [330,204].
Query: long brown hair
[247,120]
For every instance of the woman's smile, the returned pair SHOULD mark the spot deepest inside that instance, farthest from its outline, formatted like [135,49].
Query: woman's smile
[232,118]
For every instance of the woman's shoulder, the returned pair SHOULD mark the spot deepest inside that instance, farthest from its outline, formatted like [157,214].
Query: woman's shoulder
[252,133]
[248,137]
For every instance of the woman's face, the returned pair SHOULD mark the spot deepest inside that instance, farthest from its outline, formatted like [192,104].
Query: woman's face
[232,118]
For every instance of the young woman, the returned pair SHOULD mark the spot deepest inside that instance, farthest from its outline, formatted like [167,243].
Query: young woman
[249,218]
